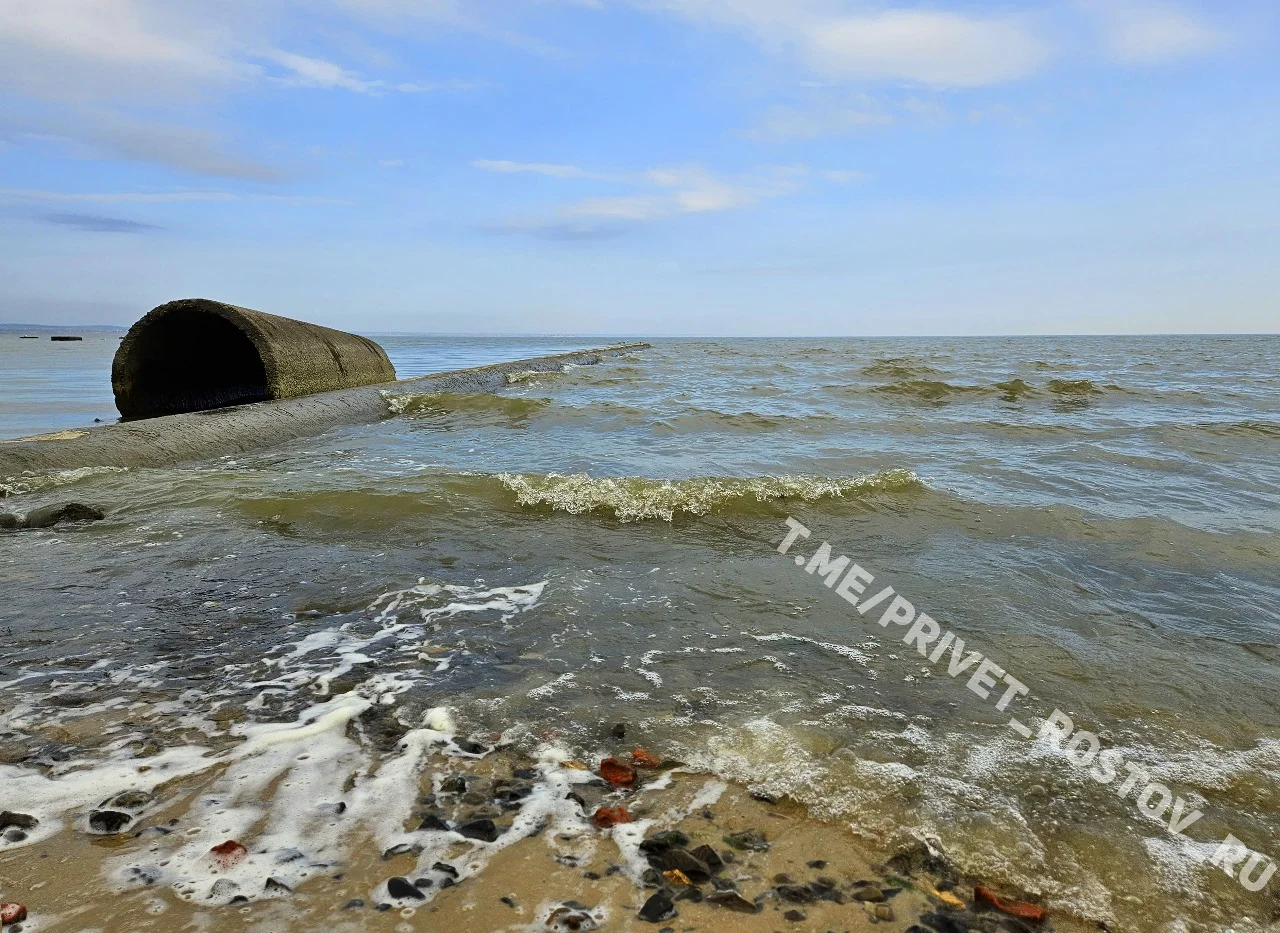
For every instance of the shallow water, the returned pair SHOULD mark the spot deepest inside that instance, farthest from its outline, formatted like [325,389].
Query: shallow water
[1097,514]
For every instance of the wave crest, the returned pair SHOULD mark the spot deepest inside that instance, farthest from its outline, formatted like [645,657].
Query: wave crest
[429,404]
[636,498]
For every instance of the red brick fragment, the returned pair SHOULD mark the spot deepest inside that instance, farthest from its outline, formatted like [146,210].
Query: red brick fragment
[606,817]
[228,853]
[1020,909]
[12,913]
[643,758]
[617,773]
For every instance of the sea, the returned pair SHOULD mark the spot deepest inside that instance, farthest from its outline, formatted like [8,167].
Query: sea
[1096,517]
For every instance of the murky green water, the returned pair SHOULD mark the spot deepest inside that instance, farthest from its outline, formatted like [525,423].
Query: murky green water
[1099,515]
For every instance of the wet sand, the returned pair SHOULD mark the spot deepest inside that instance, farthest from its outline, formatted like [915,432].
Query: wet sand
[565,877]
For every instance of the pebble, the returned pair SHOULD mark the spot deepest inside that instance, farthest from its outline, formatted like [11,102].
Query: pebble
[17,820]
[108,822]
[12,913]
[794,916]
[732,900]
[228,853]
[868,894]
[571,917]
[484,830]
[223,887]
[884,912]
[661,842]
[433,822]
[748,840]
[275,886]
[132,799]
[658,908]
[617,773]
[606,817]
[403,889]
[679,859]
[353,904]
[709,857]
[50,515]
[455,784]
[403,848]
[619,731]
[1020,909]
[643,758]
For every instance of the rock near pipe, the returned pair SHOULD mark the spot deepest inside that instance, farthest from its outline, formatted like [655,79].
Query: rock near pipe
[196,354]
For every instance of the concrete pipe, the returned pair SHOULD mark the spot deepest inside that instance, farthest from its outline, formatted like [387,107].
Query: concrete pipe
[195,354]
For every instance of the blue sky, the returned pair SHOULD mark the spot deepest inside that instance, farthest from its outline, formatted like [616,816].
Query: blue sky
[646,166]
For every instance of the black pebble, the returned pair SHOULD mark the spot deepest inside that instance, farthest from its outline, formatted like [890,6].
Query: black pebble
[353,903]
[108,821]
[794,916]
[431,821]
[658,908]
[402,888]
[619,731]
[484,830]
[18,820]
[509,901]
[818,864]
[445,868]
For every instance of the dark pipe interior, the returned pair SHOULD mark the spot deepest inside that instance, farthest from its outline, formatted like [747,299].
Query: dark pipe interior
[192,361]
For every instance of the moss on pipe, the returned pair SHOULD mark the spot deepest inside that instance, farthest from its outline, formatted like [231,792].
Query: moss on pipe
[196,354]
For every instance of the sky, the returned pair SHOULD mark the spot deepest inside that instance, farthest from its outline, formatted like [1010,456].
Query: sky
[712,167]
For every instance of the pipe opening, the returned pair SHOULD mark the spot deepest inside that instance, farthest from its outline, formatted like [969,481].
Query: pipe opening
[188,360]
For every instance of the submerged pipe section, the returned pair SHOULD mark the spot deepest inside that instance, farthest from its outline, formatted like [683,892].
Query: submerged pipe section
[196,354]
[206,380]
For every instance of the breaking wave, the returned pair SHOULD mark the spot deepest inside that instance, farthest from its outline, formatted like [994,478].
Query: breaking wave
[430,404]
[636,498]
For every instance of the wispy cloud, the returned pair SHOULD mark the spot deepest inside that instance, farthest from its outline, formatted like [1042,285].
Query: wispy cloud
[1145,32]
[655,194]
[32,195]
[100,133]
[792,124]
[305,71]
[507,167]
[98,223]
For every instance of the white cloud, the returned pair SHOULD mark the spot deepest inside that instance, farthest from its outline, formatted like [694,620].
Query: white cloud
[160,50]
[935,48]
[97,49]
[305,71]
[686,190]
[1144,32]
[507,167]
[932,47]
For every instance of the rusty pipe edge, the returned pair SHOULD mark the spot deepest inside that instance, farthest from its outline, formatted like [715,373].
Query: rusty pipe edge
[202,435]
